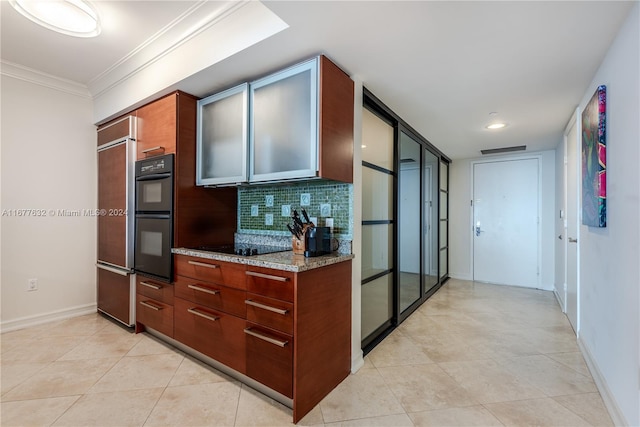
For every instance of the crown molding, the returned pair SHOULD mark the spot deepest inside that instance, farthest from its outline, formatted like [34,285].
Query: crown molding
[198,18]
[30,75]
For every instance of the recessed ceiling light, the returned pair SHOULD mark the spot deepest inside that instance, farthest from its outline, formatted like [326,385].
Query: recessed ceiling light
[496,125]
[363,146]
[71,17]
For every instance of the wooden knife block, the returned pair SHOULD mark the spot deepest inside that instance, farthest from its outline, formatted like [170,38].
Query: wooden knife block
[300,245]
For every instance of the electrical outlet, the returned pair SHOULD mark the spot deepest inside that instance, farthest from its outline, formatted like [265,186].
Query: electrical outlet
[32,285]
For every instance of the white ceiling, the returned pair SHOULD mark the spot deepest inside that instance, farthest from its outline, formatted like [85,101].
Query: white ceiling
[442,66]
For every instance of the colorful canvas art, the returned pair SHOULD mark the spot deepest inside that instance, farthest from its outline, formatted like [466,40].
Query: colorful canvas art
[594,161]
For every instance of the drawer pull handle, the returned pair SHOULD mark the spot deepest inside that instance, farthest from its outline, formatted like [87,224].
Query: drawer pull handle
[205,290]
[149,150]
[193,310]
[266,307]
[151,285]
[267,276]
[203,264]
[279,343]
[151,306]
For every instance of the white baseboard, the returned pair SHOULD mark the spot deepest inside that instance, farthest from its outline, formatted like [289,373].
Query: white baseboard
[459,276]
[560,302]
[357,362]
[607,397]
[39,319]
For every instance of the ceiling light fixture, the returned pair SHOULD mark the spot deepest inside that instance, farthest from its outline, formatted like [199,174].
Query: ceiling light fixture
[75,18]
[496,125]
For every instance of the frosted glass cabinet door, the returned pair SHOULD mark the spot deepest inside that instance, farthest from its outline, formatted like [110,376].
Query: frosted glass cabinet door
[284,124]
[222,138]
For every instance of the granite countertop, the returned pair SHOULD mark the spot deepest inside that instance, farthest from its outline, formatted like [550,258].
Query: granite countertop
[286,261]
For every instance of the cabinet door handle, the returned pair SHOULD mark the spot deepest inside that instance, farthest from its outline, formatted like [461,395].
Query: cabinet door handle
[151,285]
[149,150]
[266,307]
[205,290]
[267,276]
[193,310]
[151,306]
[279,343]
[203,264]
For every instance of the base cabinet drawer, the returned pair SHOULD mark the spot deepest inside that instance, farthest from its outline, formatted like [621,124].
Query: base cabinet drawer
[154,314]
[269,312]
[270,358]
[218,297]
[211,270]
[154,289]
[271,283]
[213,333]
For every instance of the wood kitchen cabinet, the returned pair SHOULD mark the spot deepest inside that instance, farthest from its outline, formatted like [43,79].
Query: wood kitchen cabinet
[154,305]
[296,124]
[202,216]
[158,127]
[302,123]
[209,315]
[290,331]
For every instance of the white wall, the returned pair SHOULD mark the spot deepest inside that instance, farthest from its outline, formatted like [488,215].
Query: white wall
[460,218]
[610,257]
[48,163]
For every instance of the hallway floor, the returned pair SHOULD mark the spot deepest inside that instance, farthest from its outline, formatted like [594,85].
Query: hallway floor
[473,354]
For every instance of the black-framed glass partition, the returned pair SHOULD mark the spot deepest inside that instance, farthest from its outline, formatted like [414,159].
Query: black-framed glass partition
[405,248]
[378,188]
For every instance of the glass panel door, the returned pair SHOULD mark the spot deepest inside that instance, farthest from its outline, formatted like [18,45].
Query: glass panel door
[444,219]
[430,218]
[409,224]
[377,226]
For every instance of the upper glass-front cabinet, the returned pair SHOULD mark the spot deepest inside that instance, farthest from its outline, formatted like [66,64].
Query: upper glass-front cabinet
[279,128]
[222,137]
[283,134]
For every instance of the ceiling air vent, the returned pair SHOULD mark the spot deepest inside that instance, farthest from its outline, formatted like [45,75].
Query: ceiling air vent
[503,150]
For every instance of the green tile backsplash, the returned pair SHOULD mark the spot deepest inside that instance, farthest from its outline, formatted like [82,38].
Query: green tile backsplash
[266,209]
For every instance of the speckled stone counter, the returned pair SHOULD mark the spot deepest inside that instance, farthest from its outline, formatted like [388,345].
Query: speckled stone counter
[286,261]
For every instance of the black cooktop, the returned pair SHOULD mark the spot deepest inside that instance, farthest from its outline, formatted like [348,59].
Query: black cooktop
[244,249]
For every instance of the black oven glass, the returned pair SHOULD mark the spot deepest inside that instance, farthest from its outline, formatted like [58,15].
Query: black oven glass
[153,246]
[154,184]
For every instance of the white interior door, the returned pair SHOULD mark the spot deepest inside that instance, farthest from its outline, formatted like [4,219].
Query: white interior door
[506,222]
[573,161]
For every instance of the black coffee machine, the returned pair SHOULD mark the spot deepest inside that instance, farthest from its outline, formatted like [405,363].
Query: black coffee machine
[318,241]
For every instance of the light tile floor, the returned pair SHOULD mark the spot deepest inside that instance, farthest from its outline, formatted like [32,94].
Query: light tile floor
[472,355]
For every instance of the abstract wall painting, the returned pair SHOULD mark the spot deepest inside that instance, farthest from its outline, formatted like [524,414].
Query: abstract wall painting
[594,161]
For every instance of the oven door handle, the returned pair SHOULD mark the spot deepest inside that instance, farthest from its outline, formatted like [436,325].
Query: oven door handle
[153,216]
[153,176]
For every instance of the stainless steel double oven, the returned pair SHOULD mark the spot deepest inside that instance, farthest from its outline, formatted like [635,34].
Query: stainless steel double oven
[154,217]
